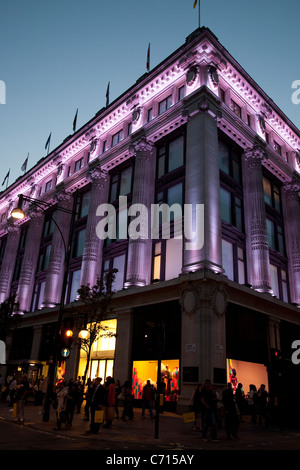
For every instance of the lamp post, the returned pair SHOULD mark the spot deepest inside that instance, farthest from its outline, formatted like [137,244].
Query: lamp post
[18,213]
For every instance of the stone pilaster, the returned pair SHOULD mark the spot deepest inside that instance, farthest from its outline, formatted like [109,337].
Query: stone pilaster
[258,262]
[122,364]
[203,340]
[31,254]
[139,250]
[9,260]
[60,238]
[291,212]
[202,184]
[93,246]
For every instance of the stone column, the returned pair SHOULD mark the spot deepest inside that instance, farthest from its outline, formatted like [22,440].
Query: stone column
[203,340]
[291,213]
[92,254]
[9,260]
[36,341]
[56,266]
[257,246]
[202,184]
[122,363]
[140,249]
[30,260]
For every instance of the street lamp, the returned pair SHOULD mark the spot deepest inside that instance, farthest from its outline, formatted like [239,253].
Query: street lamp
[18,213]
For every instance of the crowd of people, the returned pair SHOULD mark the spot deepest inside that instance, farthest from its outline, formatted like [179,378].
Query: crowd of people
[212,411]
[102,402]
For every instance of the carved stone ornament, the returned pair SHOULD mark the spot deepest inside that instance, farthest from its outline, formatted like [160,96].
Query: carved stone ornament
[261,122]
[220,302]
[136,114]
[93,145]
[213,74]
[189,299]
[191,75]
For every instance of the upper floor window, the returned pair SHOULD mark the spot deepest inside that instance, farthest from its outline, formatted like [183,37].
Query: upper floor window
[78,164]
[170,156]
[48,186]
[149,115]
[165,104]
[236,108]
[116,138]
[229,161]
[277,148]
[231,208]
[181,91]
[120,183]
[272,194]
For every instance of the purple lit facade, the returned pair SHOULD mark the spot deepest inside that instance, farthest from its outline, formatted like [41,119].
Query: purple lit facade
[196,130]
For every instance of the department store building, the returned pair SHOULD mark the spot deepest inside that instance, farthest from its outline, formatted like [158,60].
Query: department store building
[198,132]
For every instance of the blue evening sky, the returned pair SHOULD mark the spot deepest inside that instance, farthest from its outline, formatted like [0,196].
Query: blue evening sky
[59,55]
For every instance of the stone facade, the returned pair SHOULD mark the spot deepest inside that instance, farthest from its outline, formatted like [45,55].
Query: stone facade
[159,142]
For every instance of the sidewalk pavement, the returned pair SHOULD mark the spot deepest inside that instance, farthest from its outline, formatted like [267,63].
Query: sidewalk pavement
[173,433]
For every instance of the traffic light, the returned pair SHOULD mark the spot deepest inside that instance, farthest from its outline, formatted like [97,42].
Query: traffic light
[66,337]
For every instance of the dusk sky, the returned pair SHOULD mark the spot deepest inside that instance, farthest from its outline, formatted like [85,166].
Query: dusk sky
[59,55]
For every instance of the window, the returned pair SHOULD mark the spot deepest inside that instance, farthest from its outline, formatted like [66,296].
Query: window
[170,156]
[48,186]
[83,204]
[149,115]
[272,194]
[229,161]
[116,262]
[279,282]
[165,104]
[78,164]
[120,184]
[167,259]
[116,138]
[104,148]
[181,93]
[38,295]
[275,236]
[231,209]
[277,147]
[233,261]
[236,108]
[78,246]
[20,254]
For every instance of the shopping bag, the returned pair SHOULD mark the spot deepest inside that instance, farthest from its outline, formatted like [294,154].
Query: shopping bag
[99,416]
[15,413]
[188,417]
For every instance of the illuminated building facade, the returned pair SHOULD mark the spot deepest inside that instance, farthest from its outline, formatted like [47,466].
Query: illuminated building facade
[196,130]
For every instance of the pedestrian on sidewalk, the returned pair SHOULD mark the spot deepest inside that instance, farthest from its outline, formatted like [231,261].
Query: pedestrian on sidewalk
[111,401]
[148,397]
[21,394]
[71,402]
[196,406]
[263,402]
[61,396]
[127,402]
[208,400]
[98,401]
[252,400]
[118,390]
[230,410]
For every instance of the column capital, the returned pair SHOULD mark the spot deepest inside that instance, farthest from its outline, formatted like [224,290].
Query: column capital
[255,155]
[291,189]
[142,146]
